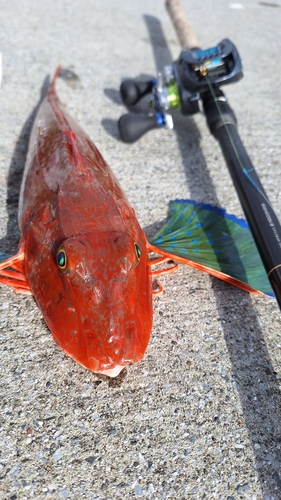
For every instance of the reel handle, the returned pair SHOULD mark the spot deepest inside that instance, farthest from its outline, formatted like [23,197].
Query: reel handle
[133,126]
[132,91]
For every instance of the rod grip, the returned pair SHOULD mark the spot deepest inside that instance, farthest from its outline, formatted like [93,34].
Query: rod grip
[185,33]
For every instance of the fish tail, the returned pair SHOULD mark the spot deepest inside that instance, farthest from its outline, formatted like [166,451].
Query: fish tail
[52,88]
[65,127]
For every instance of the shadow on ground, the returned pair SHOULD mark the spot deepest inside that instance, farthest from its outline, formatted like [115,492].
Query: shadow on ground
[251,365]
[9,243]
[256,380]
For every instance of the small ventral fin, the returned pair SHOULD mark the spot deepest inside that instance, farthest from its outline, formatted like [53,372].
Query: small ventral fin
[12,272]
[209,239]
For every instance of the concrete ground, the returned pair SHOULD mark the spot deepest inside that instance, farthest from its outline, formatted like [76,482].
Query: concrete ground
[200,416]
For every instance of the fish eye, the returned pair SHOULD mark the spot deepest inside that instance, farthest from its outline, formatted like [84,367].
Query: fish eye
[137,251]
[62,258]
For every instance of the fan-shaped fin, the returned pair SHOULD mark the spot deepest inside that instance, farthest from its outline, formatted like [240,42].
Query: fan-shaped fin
[209,239]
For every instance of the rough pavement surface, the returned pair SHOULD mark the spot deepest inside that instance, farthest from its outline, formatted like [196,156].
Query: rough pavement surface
[200,416]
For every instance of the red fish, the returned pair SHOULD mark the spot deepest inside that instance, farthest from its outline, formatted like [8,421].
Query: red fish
[82,253]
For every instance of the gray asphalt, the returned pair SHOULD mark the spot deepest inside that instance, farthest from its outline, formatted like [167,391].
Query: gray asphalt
[200,416]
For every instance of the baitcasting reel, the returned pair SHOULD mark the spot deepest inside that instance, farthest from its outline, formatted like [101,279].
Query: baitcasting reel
[180,85]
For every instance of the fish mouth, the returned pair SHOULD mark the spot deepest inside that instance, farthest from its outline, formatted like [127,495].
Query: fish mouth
[112,372]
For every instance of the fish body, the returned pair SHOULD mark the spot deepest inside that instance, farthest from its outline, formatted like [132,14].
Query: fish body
[85,257]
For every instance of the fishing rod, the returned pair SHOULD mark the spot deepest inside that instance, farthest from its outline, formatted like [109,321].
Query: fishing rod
[195,76]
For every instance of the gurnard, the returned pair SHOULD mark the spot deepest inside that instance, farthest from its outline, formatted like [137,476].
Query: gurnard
[84,257]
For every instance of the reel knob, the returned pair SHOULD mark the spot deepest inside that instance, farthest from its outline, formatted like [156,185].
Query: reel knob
[132,91]
[133,126]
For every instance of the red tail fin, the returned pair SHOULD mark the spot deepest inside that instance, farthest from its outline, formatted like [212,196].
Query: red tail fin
[52,88]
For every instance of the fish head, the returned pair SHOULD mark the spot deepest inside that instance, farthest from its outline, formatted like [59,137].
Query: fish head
[95,295]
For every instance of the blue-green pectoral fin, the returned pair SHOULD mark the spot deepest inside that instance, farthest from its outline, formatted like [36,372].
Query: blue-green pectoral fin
[213,239]
[4,256]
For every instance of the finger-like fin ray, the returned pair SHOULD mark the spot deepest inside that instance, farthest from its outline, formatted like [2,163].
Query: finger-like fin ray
[12,272]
